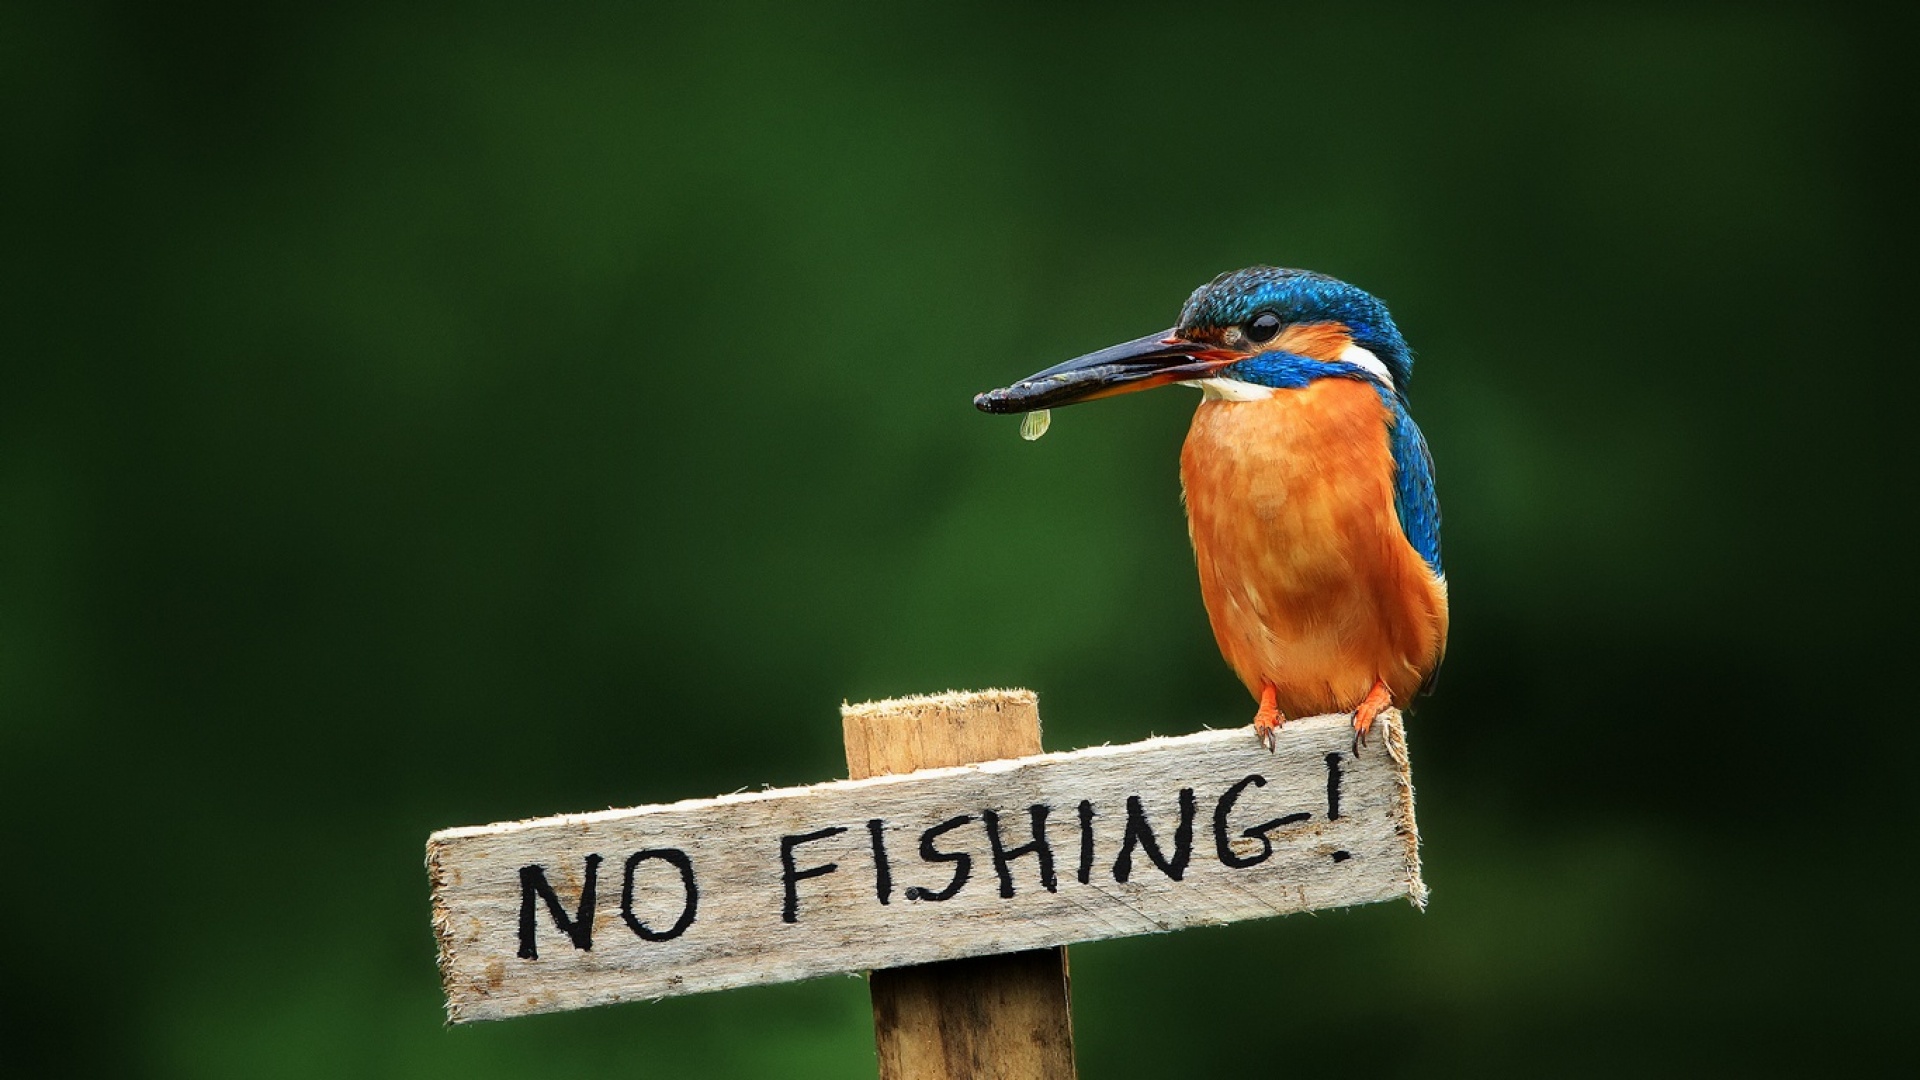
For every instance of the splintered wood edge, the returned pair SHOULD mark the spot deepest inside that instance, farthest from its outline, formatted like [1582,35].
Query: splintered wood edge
[443,930]
[951,701]
[901,735]
[1396,743]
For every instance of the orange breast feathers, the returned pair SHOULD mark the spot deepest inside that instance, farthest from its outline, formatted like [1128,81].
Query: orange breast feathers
[1308,580]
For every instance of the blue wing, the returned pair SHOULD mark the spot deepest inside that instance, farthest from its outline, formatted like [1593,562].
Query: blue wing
[1414,500]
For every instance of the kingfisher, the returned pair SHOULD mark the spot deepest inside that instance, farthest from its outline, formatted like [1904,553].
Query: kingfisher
[1308,488]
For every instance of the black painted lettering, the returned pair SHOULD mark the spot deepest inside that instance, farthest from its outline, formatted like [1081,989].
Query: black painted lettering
[1333,787]
[882,870]
[689,906]
[1038,847]
[1141,834]
[578,927]
[1259,832]
[790,877]
[1086,841]
[962,862]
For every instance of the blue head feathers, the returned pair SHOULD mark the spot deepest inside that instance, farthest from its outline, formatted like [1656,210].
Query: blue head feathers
[1300,297]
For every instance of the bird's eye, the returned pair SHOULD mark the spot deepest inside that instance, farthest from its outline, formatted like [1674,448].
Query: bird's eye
[1262,327]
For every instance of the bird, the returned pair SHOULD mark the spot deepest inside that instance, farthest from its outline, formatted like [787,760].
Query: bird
[1309,489]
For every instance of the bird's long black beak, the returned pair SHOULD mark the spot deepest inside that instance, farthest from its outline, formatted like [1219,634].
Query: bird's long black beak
[1154,360]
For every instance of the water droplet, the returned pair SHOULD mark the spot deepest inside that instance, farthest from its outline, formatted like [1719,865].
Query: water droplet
[1034,424]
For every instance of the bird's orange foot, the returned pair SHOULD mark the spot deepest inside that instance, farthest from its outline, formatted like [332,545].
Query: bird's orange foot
[1268,719]
[1377,699]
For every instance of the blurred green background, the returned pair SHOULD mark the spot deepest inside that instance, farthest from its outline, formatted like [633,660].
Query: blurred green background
[426,418]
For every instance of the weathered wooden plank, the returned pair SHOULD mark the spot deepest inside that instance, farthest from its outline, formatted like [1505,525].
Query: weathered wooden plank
[1006,1016]
[587,909]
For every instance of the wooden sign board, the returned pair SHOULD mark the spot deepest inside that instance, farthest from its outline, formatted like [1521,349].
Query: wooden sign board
[620,905]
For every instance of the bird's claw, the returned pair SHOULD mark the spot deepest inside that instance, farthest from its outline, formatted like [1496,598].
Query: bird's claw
[1268,719]
[1376,700]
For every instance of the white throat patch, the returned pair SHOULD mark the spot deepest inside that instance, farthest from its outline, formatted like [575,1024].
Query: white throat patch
[1230,390]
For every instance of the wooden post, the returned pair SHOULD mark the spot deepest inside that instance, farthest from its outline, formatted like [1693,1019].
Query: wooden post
[1005,1016]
